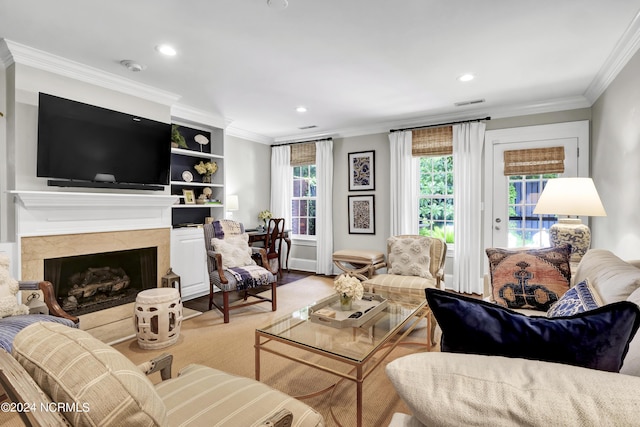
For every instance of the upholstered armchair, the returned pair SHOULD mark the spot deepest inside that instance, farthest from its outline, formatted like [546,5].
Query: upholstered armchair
[88,382]
[15,316]
[414,263]
[232,269]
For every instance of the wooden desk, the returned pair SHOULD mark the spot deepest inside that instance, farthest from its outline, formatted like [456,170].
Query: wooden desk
[256,236]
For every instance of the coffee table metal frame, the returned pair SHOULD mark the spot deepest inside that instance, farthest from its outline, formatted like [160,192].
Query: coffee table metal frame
[417,311]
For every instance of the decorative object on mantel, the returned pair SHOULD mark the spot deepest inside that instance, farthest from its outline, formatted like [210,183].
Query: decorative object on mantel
[265,215]
[202,140]
[348,287]
[206,170]
[177,140]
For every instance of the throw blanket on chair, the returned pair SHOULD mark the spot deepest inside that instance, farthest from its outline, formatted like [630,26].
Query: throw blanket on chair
[249,276]
[226,226]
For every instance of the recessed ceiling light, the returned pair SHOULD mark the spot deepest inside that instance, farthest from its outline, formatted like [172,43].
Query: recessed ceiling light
[278,4]
[301,109]
[165,49]
[466,77]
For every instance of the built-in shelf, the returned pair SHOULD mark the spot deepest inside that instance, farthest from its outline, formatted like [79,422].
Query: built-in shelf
[184,160]
[193,153]
[195,184]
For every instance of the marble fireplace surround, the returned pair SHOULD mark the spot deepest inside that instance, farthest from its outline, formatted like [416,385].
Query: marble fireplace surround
[58,224]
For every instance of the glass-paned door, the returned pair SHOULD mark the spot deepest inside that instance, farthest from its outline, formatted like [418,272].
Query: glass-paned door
[515,197]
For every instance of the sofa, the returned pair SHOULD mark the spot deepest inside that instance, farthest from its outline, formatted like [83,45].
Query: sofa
[81,381]
[453,389]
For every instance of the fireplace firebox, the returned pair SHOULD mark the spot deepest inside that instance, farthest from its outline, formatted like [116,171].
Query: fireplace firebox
[88,283]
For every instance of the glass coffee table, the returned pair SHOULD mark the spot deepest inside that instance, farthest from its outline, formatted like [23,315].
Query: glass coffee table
[354,346]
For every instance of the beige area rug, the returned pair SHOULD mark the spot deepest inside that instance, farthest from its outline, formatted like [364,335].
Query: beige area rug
[207,340]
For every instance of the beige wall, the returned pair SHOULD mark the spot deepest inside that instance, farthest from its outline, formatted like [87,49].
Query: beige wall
[248,172]
[615,159]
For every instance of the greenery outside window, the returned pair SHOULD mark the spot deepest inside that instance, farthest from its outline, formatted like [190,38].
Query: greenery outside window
[435,202]
[303,202]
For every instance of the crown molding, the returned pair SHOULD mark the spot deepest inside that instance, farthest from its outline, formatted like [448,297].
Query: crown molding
[550,106]
[248,135]
[195,115]
[12,52]
[626,47]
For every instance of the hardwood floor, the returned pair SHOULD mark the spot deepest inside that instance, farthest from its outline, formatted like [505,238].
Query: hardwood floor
[202,303]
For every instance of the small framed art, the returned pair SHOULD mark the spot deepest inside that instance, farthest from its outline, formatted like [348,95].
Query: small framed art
[189,197]
[362,171]
[362,215]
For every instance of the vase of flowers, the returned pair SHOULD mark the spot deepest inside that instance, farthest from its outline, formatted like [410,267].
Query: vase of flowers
[265,215]
[349,288]
[206,170]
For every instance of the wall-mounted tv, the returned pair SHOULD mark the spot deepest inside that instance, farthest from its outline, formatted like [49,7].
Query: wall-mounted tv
[81,145]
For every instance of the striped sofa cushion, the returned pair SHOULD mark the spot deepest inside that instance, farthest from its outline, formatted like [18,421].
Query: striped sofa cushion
[206,396]
[73,367]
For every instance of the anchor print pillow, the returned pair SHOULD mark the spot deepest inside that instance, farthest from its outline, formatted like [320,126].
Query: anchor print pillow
[532,278]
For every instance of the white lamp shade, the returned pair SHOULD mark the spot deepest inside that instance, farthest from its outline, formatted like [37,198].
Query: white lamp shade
[232,202]
[570,196]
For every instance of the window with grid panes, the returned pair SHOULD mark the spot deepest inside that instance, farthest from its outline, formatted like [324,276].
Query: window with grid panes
[303,202]
[435,202]
[527,229]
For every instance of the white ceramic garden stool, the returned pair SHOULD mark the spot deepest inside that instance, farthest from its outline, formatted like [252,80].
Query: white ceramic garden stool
[157,317]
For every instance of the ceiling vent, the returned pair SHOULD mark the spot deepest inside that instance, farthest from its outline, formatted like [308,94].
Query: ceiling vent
[463,103]
[308,127]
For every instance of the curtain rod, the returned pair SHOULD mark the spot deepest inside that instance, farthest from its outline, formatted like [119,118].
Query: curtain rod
[302,142]
[441,124]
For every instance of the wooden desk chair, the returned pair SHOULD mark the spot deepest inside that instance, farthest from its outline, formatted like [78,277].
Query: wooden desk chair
[273,243]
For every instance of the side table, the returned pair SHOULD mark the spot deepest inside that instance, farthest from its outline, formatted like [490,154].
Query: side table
[157,317]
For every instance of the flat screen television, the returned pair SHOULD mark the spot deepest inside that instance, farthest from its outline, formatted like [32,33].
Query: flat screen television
[81,145]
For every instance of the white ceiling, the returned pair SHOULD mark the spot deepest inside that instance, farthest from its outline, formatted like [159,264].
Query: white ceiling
[355,64]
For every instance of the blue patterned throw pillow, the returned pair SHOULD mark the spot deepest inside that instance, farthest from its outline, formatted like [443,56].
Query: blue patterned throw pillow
[582,297]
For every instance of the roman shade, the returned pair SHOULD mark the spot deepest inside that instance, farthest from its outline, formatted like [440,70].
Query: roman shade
[436,141]
[534,161]
[303,154]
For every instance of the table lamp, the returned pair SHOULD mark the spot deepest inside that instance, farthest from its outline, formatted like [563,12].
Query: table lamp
[232,205]
[570,196]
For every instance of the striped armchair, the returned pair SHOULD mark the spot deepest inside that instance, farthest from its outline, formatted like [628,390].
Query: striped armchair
[408,279]
[232,269]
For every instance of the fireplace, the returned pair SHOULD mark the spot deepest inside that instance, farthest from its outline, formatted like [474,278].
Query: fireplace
[87,283]
[51,225]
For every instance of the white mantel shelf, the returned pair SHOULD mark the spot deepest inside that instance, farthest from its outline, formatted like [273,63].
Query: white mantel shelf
[51,212]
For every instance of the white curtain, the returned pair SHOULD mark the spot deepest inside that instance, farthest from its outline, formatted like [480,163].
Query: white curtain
[281,183]
[468,143]
[404,185]
[324,207]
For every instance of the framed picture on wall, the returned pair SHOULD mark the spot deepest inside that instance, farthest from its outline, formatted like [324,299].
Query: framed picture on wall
[362,215]
[189,197]
[362,171]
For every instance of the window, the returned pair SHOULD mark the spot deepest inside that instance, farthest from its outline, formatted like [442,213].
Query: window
[435,201]
[303,202]
[526,228]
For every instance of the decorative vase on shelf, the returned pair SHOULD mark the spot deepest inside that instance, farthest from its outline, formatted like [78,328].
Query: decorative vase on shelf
[345,302]
[206,179]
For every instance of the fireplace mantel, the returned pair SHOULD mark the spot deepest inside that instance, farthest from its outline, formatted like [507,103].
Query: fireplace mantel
[40,213]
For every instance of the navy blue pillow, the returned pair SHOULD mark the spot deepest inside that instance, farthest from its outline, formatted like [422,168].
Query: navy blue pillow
[597,339]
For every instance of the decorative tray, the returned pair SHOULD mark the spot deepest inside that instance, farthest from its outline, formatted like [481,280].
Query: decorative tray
[369,306]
